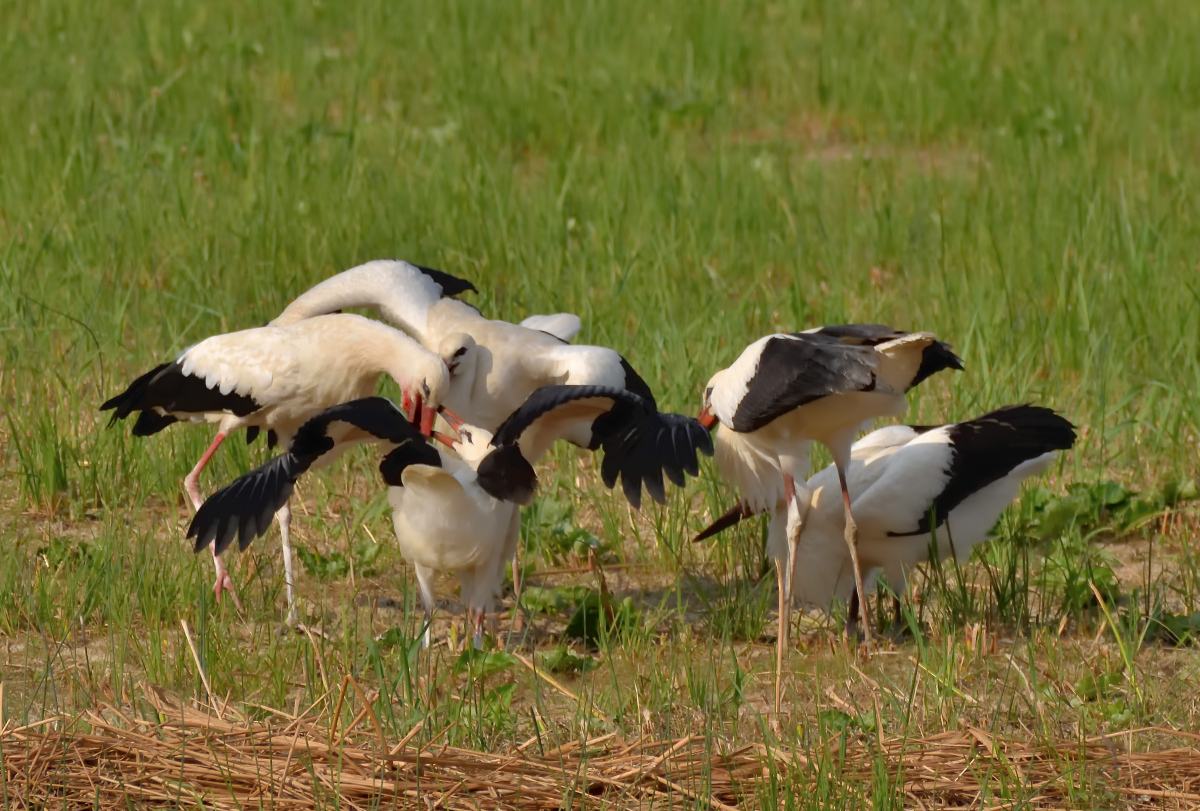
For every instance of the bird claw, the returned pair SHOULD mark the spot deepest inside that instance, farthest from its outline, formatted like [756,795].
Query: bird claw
[225,583]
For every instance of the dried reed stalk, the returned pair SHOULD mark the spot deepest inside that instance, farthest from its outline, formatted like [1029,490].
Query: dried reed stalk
[190,757]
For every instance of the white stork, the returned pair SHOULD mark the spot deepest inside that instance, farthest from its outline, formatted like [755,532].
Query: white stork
[495,365]
[909,486]
[276,378]
[450,512]
[917,488]
[786,391]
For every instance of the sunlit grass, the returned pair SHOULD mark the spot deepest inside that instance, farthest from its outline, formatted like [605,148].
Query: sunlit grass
[1017,177]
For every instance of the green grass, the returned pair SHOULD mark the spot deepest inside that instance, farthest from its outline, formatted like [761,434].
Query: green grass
[1017,177]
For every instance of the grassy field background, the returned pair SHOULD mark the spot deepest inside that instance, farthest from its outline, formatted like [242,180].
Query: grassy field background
[1018,177]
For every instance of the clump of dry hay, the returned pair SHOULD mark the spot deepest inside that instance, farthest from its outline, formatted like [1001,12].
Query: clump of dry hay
[193,758]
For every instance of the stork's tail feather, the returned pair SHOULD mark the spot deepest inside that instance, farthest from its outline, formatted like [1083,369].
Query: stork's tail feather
[132,399]
[937,357]
[731,517]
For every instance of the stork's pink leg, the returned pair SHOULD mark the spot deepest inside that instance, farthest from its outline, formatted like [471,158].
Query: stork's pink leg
[477,621]
[787,572]
[192,485]
[192,482]
[224,582]
[851,536]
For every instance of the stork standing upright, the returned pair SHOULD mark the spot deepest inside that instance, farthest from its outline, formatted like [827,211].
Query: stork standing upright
[275,378]
[450,512]
[788,390]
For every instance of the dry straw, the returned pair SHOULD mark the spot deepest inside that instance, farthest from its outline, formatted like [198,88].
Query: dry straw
[191,758]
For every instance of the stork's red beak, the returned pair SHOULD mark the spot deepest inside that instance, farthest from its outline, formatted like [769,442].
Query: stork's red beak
[445,439]
[453,420]
[707,419]
[423,415]
[406,403]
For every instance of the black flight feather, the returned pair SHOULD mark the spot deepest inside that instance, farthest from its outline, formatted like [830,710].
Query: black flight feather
[506,475]
[640,443]
[937,357]
[165,391]
[799,369]
[243,508]
[451,285]
[988,448]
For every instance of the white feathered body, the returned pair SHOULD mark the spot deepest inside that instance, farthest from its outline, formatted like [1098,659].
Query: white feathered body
[894,477]
[293,372]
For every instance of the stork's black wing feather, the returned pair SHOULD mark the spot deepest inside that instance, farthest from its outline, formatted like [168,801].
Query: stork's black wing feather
[451,285]
[643,445]
[378,416]
[415,452]
[937,357]
[544,400]
[506,475]
[798,369]
[243,509]
[168,389]
[128,401]
[989,447]
[150,422]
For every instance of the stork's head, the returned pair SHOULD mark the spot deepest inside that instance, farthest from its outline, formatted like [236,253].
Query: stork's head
[471,445]
[430,382]
[458,352]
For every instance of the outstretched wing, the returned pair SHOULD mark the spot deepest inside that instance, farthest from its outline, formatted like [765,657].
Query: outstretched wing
[172,388]
[377,419]
[797,369]
[640,444]
[243,509]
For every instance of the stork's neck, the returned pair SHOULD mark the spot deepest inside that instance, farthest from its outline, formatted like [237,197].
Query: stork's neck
[381,286]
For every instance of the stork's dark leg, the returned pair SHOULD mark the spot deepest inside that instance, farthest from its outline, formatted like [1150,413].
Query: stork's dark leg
[852,545]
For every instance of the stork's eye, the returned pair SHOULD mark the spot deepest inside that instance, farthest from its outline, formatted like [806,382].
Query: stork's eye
[458,353]
[708,394]
[425,387]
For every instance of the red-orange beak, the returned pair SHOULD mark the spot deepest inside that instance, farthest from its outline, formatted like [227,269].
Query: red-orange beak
[406,403]
[453,420]
[707,419]
[427,416]
[445,439]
